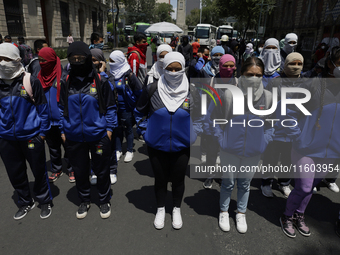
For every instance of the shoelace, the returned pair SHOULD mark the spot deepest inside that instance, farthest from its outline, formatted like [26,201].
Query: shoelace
[301,219]
[288,221]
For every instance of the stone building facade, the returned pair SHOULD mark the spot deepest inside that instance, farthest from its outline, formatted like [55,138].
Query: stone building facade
[311,20]
[52,20]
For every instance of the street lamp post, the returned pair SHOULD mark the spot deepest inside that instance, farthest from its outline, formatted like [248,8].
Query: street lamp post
[200,11]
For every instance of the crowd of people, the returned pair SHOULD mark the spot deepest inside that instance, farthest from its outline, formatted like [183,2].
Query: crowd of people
[90,106]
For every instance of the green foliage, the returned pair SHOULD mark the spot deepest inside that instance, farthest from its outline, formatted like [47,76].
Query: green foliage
[163,12]
[139,10]
[109,27]
[61,52]
[193,18]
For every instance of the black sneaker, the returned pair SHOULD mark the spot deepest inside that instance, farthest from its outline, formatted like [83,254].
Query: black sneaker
[337,227]
[208,183]
[23,210]
[55,176]
[46,211]
[287,226]
[105,210]
[299,223]
[82,210]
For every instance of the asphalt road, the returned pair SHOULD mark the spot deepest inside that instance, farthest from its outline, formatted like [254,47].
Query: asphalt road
[130,229]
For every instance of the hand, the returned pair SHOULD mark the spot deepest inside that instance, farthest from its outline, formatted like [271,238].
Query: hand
[63,137]
[209,58]
[109,134]
[103,66]
[42,137]
[199,55]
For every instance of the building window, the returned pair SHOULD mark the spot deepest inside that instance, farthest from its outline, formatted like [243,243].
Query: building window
[65,19]
[14,17]
[181,5]
[94,21]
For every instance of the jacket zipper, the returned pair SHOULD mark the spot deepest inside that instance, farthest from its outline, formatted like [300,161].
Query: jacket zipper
[13,115]
[81,116]
[49,98]
[329,140]
[170,132]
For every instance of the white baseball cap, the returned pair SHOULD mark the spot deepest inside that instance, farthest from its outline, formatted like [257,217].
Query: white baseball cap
[225,38]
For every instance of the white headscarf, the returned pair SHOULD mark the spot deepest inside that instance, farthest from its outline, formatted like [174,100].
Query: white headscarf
[271,58]
[290,37]
[249,48]
[173,87]
[120,65]
[157,68]
[14,68]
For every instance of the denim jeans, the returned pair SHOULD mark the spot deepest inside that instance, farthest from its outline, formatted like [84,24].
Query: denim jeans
[243,180]
[125,120]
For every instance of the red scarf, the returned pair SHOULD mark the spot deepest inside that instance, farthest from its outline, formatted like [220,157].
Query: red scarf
[49,69]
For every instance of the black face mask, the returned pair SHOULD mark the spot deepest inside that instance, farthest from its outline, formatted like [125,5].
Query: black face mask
[82,69]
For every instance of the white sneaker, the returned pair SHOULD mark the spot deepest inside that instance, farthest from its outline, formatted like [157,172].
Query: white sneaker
[285,190]
[159,219]
[332,186]
[128,157]
[118,155]
[315,190]
[267,191]
[241,223]
[223,221]
[93,179]
[113,178]
[177,222]
[203,158]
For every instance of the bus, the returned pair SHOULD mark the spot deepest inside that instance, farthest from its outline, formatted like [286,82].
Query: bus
[204,33]
[140,27]
[235,35]
[224,30]
[128,32]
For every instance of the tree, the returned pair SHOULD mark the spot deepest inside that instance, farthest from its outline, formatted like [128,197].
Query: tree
[193,18]
[245,11]
[139,10]
[163,12]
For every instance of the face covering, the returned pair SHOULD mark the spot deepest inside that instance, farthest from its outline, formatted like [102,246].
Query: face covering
[12,69]
[120,65]
[336,71]
[143,47]
[84,68]
[99,46]
[224,71]
[215,62]
[174,79]
[205,58]
[254,82]
[260,49]
[271,58]
[293,71]
[289,48]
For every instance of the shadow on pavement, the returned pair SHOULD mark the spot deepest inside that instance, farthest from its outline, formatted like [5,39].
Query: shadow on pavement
[143,167]
[72,196]
[143,199]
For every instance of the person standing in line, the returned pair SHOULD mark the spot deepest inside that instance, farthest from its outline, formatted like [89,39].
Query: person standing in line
[316,141]
[248,53]
[128,89]
[87,119]
[186,49]
[195,46]
[167,103]
[8,39]
[24,123]
[33,66]
[50,79]
[281,147]
[137,56]
[242,147]
[157,69]
[70,39]
[97,41]
[290,43]
[225,44]
[270,55]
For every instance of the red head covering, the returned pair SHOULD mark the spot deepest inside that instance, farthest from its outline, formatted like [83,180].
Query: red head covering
[224,71]
[50,69]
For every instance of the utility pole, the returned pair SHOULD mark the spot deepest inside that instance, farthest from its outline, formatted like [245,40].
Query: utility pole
[113,26]
[258,26]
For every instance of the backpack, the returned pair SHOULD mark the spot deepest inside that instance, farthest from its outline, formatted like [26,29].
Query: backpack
[27,67]
[27,53]
[129,54]
[26,81]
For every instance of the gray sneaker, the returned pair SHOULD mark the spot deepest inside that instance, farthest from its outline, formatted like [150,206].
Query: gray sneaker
[208,183]
[299,223]
[267,191]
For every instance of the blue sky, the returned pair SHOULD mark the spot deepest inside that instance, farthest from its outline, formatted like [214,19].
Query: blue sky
[174,4]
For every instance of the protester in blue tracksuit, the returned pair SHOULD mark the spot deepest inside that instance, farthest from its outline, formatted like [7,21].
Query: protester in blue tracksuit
[24,123]
[212,67]
[280,148]
[87,119]
[157,69]
[50,79]
[99,63]
[270,55]
[169,133]
[201,59]
[316,142]
[128,89]
[241,145]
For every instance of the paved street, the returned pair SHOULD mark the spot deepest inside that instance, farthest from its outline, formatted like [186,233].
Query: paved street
[130,229]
